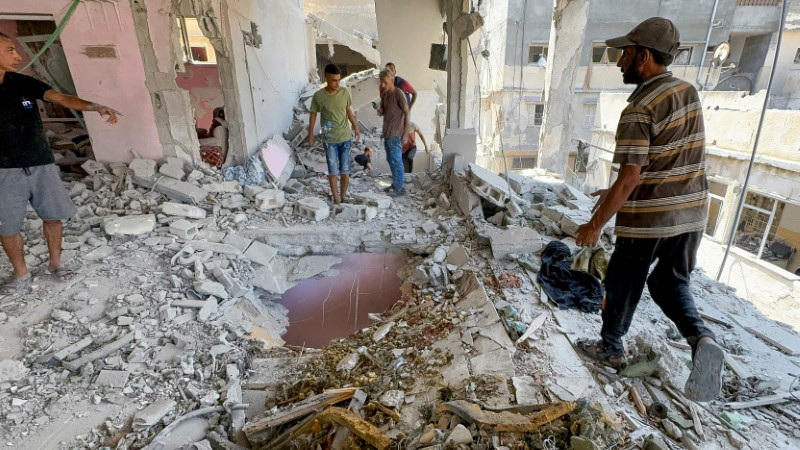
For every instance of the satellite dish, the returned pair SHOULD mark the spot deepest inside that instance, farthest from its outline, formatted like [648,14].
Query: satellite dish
[735,83]
[721,54]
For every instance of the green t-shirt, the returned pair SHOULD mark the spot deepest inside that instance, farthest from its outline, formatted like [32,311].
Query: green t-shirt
[333,109]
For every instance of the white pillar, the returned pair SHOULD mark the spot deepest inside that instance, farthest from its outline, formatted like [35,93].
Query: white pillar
[564,52]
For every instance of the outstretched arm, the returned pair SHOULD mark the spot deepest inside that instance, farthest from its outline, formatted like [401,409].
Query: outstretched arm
[629,178]
[79,104]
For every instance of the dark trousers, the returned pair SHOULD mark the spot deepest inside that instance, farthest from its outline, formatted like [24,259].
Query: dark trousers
[668,284]
[408,159]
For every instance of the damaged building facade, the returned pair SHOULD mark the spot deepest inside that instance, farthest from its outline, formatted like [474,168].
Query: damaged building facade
[236,307]
[514,56]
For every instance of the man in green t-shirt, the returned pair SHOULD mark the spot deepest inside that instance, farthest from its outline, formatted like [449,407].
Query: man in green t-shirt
[336,107]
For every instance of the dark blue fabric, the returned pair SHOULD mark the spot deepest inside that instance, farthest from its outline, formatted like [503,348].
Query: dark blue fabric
[566,287]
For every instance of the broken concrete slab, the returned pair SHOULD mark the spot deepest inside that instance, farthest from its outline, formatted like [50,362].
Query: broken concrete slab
[313,208]
[217,187]
[183,210]
[457,255]
[152,414]
[464,198]
[260,253]
[462,142]
[375,199]
[12,370]
[516,240]
[497,362]
[241,243]
[212,288]
[177,190]
[311,266]
[173,169]
[99,254]
[129,225]
[276,155]
[144,168]
[112,378]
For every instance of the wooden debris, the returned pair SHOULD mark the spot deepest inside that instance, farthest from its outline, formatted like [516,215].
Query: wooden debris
[679,345]
[386,410]
[637,401]
[736,367]
[698,425]
[298,411]
[506,421]
[366,431]
[762,401]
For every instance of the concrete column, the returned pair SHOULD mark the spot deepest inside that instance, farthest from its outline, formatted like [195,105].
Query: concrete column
[460,25]
[566,46]
[728,212]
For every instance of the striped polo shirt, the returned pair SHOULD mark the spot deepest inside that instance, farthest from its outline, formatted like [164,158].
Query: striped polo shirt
[662,131]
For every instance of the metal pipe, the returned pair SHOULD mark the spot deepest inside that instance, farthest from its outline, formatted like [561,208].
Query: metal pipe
[743,195]
[705,49]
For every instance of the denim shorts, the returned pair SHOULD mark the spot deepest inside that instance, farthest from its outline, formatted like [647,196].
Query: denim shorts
[338,157]
[41,186]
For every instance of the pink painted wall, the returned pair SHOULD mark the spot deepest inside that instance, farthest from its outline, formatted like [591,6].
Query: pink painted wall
[205,90]
[118,83]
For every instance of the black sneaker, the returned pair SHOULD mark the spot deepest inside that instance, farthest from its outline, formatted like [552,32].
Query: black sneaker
[388,189]
[397,193]
[596,351]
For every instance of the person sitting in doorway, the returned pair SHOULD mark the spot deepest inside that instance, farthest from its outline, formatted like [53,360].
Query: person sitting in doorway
[410,146]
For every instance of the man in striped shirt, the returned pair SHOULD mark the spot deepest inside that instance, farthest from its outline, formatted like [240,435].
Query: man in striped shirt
[660,201]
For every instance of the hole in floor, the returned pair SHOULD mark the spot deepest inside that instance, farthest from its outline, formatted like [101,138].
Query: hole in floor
[327,308]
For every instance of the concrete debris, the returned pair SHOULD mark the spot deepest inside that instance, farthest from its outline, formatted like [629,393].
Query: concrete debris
[348,212]
[270,199]
[11,370]
[313,208]
[514,240]
[179,209]
[129,225]
[183,229]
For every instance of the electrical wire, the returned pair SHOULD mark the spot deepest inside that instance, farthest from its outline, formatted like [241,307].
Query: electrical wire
[743,195]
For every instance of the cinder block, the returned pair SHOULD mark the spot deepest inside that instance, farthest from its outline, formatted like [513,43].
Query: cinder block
[270,199]
[232,285]
[260,253]
[488,185]
[313,208]
[346,211]
[175,189]
[379,201]
[93,167]
[183,229]
[463,197]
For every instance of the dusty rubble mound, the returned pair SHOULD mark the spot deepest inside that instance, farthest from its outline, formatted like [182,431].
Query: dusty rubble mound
[170,335]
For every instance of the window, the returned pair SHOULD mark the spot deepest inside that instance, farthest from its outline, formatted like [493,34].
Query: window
[537,54]
[535,115]
[197,49]
[605,55]
[683,57]
[759,223]
[797,57]
[588,115]
[522,162]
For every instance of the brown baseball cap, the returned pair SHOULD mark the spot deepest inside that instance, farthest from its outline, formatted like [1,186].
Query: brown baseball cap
[657,33]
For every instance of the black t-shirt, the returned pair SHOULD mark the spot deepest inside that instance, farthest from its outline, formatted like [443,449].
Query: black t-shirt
[22,139]
[363,159]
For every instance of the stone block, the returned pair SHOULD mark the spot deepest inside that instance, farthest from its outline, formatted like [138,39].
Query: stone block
[260,253]
[209,287]
[242,243]
[313,208]
[513,209]
[183,229]
[465,199]
[270,199]
[182,210]
[519,183]
[143,167]
[222,186]
[379,201]
[555,212]
[232,285]
[457,255]
[463,142]
[129,225]
[93,167]
[112,378]
[349,212]
[176,190]
[252,190]
[173,170]
[518,240]
[488,185]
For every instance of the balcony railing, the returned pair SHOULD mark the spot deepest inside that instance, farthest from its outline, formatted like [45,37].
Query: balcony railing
[758,2]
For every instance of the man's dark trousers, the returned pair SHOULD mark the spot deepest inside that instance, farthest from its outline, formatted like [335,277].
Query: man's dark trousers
[668,284]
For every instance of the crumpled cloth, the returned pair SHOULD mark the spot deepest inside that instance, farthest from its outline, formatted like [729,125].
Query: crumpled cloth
[592,260]
[566,287]
[252,172]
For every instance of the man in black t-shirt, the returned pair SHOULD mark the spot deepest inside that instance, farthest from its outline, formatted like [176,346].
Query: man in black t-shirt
[27,169]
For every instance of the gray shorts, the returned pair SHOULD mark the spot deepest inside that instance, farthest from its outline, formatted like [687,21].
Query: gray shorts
[39,185]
